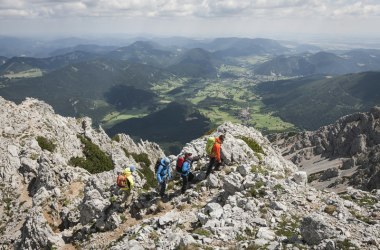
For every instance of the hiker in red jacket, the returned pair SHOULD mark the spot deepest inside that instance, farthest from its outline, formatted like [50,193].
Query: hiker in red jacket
[215,157]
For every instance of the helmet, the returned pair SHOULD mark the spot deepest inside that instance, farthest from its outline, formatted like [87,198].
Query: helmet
[132,168]
[165,161]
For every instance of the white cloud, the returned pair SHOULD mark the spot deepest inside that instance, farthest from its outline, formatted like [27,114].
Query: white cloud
[180,17]
[188,8]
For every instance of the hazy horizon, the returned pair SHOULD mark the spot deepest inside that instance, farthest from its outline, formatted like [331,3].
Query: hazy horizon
[285,19]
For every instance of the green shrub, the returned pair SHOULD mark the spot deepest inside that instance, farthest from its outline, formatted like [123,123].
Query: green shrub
[46,144]
[253,145]
[96,160]
[288,227]
[116,138]
[257,190]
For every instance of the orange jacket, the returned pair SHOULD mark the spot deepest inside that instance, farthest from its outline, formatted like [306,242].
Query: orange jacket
[216,149]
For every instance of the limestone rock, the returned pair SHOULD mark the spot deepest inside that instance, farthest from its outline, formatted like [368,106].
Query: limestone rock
[36,233]
[314,229]
[300,177]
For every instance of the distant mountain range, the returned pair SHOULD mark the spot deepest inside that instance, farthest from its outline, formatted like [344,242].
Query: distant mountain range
[321,63]
[114,84]
[312,102]
[18,64]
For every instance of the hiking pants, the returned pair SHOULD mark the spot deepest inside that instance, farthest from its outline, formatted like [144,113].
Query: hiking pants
[211,164]
[185,180]
[162,188]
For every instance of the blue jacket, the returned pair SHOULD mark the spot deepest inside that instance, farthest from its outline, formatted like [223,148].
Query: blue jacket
[163,172]
[186,166]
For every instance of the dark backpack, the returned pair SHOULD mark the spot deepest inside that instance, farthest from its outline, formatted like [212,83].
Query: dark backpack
[157,165]
[180,161]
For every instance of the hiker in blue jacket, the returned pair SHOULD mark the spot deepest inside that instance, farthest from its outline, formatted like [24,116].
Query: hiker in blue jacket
[186,173]
[163,175]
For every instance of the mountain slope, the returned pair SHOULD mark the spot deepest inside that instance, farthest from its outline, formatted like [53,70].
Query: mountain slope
[89,48]
[144,52]
[342,154]
[234,46]
[175,124]
[18,64]
[324,63]
[316,101]
[256,200]
[195,63]
[84,88]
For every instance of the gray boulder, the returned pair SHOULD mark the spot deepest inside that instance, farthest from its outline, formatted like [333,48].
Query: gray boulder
[93,206]
[314,229]
[214,210]
[232,183]
[212,181]
[300,177]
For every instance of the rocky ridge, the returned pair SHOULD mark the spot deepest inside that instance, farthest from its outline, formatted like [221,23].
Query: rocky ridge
[346,153]
[257,201]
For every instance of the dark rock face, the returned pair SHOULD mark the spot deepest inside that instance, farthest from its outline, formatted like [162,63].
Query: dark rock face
[354,139]
[314,229]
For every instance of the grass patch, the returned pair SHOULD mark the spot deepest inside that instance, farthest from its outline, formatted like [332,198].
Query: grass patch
[192,246]
[346,245]
[360,217]
[95,161]
[202,231]
[288,227]
[253,145]
[154,236]
[259,170]
[240,237]
[363,201]
[279,188]
[257,190]
[46,144]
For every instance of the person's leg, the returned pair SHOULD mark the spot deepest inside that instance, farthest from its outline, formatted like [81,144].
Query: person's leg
[217,166]
[190,177]
[210,165]
[163,188]
[184,183]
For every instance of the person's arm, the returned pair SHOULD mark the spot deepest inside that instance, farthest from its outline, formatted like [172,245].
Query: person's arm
[169,174]
[131,182]
[217,152]
[159,177]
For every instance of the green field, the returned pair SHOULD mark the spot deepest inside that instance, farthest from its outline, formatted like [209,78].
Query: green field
[115,117]
[24,74]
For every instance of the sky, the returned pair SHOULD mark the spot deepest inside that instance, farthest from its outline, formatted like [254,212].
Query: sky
[192,18]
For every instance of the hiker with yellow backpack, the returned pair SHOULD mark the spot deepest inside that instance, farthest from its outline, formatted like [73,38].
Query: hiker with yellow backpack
[213,147]
[125,182]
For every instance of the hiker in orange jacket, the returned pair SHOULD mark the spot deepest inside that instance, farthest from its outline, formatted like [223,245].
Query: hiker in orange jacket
[215,157]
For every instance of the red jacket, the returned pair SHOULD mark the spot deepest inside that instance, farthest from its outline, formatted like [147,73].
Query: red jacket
[216,149]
